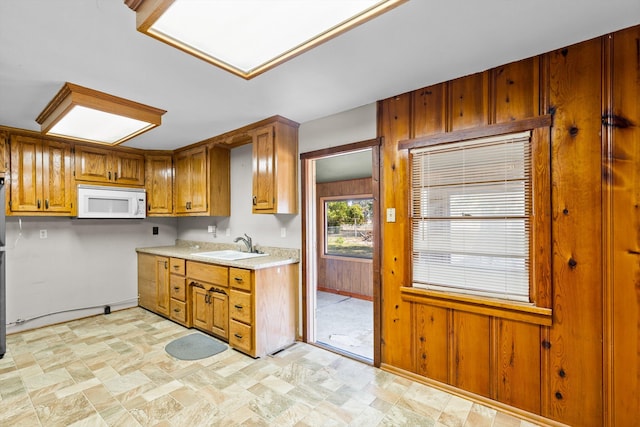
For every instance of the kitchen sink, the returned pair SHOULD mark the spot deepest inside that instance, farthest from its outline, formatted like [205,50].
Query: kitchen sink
[228,255]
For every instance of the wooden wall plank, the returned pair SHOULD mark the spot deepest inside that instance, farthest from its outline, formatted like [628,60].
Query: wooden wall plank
[624,188]
[432,344]
[394,123]
[468,102]
[515,90]
[470,352]
[429,110]
[576,335]
[518,358]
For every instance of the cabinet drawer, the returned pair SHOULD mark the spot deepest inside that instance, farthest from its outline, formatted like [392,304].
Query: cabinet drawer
[177,266]
[240,306]
[214,274]
[240,336]
[178,288]
[178,311]
[240,278]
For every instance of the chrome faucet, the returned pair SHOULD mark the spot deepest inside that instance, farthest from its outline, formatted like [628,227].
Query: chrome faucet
[246,240]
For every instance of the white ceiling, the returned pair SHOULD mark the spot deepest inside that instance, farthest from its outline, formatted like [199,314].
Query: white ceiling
[94,43]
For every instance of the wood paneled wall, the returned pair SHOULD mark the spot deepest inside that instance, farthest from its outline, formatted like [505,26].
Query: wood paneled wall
[343,275]
[584,369]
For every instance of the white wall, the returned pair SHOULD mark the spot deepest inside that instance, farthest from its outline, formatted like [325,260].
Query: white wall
[264,229]
[82,263]
[86,263]
[343,128]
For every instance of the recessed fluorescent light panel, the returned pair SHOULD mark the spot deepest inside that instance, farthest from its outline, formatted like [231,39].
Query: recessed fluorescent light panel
[248,37]
[87,115]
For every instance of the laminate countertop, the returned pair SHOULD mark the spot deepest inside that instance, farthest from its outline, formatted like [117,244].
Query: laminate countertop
[187,249]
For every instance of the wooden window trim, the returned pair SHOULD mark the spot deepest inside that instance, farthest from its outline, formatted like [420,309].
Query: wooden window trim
[505,309]
[477,132]
[539,311]
[323,237]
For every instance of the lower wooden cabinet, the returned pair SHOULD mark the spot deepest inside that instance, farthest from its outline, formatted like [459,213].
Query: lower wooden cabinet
[153,283]
[180,302]
[210,302]
[262,309]
[254,310]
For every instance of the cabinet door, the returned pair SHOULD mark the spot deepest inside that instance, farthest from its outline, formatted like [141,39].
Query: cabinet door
[263,173]
[128,168]
[4,144]
[147,281]
[198,182]
[201,309]
[57,191]
[162,285]
[182,182]
[92,164]
[26,174]
[158,181]
[220,314]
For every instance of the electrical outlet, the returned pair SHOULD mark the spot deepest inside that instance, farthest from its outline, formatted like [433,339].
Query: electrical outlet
[154,230]
[43,234]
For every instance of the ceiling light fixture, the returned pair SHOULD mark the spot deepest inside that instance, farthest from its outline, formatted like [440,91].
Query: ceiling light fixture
[249,37]
[85,114]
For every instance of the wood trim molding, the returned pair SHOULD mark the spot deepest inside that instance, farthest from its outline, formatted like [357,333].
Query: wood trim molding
[342,149]
[133,4]
[489,307]
[477,132]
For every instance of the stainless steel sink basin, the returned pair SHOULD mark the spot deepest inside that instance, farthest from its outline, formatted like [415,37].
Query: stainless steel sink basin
[228,255]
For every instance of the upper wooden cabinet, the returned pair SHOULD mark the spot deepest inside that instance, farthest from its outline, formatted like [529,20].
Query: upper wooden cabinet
[101,165]
[4,144]
[40,177]
[275,160]
[202,182]
[159,184]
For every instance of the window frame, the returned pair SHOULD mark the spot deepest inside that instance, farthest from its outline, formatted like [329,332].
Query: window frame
[538,310]
[323,203]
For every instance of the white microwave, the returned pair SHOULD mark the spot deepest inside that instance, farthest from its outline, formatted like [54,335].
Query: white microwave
[111,202]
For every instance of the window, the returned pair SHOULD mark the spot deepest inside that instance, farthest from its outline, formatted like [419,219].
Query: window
[471,215]
[348,226]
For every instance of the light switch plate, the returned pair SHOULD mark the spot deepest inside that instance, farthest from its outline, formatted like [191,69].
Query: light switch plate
[391,214]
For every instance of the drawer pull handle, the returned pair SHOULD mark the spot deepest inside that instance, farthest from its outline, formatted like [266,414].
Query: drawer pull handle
[176,310]
[177,288]
[238,279]
[176,267]
[238,306]
[238,336]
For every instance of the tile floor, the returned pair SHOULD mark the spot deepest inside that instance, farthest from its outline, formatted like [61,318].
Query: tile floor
[113,371]
[345,323]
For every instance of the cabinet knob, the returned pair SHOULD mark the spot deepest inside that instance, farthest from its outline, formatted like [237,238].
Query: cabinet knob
[115,176]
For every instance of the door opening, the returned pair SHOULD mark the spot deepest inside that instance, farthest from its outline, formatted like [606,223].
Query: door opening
[340,250]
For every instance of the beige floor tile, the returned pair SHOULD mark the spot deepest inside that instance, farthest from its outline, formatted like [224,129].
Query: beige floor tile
[113,371]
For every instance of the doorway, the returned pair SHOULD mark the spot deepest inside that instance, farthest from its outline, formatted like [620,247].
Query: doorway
[340,250]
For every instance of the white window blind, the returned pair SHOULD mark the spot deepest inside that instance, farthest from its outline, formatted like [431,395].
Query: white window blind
[471,208]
